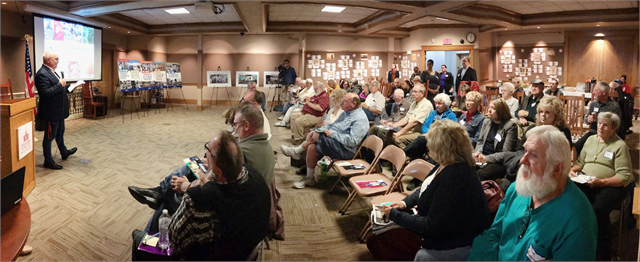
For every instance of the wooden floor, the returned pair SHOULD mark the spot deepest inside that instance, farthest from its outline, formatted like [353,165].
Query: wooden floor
[84,211]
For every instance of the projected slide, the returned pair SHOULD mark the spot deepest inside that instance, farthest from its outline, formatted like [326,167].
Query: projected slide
[79,47]
[70,38]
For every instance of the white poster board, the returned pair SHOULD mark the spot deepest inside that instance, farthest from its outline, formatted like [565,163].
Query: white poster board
[218,78]
[25,140]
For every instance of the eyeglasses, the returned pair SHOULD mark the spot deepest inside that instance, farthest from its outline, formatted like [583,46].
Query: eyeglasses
[525,222]
[209,150]
[239,122]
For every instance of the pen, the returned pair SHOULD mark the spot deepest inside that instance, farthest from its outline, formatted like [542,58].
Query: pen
[149,237]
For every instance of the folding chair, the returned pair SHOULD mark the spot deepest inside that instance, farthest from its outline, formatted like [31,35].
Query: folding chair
[372,142]
[391,153]
[418,169]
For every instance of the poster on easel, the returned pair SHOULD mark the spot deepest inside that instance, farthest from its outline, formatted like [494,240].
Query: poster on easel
[174,77]
[159,73]
[134,70]
[123,70]
[146,68]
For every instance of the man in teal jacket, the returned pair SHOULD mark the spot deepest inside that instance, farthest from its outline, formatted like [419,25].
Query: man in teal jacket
[544,216]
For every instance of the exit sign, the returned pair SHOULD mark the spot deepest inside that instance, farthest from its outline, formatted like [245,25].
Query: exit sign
[446,41]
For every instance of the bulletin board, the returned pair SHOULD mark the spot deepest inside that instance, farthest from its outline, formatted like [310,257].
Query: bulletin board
[531,62]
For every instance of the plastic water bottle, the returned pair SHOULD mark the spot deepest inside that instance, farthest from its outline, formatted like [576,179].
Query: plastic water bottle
[163,224]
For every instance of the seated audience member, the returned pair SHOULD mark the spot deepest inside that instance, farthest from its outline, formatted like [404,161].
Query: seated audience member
[600,103]
[606,157]
[452,209]
[399,110]
[416,80]
[406,87]
[339,140]
[459,104]
[507,96]
[332,86]
[223,219]
[550,112]
[418,147]
[527,110]
[374,103]
[416,72]
[411,124]
[626,108]
[365,92]
[311,114]
[354,87]
[517,84]
[256,99]
[305,93]
[473,118]
[335,109]
[499,134]
[251,87]
[292,95]
[553,88]
[344,84]
[396,85]
[544,216]
[253,141]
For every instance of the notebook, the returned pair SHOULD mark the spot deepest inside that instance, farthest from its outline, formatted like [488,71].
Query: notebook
[12,185]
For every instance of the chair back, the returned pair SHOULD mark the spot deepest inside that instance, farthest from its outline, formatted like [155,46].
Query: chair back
[371,142]
[474,85]
[393,154]
[86,91]
[6,91]
[487,96]
[519,96]
[574,113]
[418,168]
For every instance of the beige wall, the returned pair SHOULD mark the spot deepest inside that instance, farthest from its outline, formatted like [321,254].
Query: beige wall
[529,38]
[346,43]
[424,36]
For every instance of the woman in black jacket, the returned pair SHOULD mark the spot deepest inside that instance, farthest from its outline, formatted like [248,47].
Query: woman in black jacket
[446,81]
[452,209]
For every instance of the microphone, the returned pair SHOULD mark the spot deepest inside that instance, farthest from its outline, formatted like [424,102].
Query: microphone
[62,74]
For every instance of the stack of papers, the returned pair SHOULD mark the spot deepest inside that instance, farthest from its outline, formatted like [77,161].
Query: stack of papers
[581,178]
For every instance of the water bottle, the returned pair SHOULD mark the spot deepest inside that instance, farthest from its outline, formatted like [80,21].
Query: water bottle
[163,224]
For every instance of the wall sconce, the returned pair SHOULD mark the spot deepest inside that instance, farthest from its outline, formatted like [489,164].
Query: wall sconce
[599,36]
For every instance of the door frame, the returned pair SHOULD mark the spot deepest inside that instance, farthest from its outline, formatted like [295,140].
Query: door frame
[447,48]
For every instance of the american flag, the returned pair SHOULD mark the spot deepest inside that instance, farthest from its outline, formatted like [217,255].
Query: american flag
[28,76]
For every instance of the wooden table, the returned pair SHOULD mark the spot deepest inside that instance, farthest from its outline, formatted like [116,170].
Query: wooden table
[16,225]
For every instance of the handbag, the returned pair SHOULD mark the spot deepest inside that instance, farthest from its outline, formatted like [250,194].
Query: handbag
[494,195]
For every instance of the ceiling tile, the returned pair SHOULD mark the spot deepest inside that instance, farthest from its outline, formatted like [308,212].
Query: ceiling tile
[572,7]
[619,4]
[594,5]
[550,8]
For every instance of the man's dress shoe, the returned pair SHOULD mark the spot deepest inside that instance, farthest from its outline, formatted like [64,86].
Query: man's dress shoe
[69,152]
[149,196]
[52,165]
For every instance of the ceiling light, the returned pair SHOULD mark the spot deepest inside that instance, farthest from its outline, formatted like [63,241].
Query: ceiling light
[177,11]
[443,19]
[597,25]
[333,9]
[599,35]
[128,32]
[109,26]
[538,27]
[4,3]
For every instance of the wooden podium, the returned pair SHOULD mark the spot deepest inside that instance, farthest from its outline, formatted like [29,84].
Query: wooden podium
[14,114]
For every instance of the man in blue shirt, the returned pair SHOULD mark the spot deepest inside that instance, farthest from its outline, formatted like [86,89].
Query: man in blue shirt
[339,140]
[288,74]
[544,216]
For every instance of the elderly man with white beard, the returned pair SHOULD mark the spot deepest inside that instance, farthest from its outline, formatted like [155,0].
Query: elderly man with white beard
[544,216]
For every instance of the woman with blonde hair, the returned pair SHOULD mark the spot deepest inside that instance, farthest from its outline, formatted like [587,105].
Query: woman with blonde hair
[473,119]
[451,206]
[499,134]
[335,108]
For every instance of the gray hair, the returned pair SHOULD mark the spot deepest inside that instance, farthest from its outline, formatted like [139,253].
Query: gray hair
[309,80]
[444,98]
[49,54]
[613,119]
[614,84]
[604,86]
[320,84]
[375,83]
[466,58]
[558,149]
[421,88]
[508,86]
[398,92]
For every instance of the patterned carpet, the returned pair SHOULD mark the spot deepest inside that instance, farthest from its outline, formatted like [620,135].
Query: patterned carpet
[84,211]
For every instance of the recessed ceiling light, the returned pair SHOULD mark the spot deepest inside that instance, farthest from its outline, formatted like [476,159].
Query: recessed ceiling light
[109,26]
[177,11]
[4,3]
[443,19]
[597,25]
[538,27]
[599,35]
[128,32]
[333,9]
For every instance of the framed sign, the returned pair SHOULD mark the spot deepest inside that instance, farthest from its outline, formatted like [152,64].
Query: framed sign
[244,77]
[218,78]
[271,79]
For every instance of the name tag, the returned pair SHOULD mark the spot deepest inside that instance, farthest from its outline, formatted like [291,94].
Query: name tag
[498,138]
[608,155]
[402,109]
[534,104]
[462,122]
[595,109]
[410,111]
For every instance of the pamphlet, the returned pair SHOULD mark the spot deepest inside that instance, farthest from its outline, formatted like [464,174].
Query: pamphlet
[72,87]
[371,184]
[149,244]
[582,178]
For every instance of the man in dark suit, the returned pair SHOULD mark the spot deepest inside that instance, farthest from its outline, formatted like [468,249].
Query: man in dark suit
[465,73]
[53,108]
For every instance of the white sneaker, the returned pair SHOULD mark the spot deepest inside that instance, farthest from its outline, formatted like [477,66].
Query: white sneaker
[280,117]
[280,123]
[305,182]
[290,152]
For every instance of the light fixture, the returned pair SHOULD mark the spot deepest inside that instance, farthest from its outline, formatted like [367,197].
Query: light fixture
[443,19]
[597,25]
[177,11]
[599,35]
[128,32]
[333,9]
[4,3]
[109,26]
[538,27]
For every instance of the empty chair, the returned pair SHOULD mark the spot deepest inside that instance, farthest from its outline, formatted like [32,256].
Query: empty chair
[372,142]
[362,185]
[6,91]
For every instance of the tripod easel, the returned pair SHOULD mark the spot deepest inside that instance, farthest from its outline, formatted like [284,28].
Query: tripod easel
[217,88]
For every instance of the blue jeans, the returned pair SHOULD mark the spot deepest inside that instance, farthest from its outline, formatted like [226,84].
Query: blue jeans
[286,107]
[170,200]
[369,114]
[53,130]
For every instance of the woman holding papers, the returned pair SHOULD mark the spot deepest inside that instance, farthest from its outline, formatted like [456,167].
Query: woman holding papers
[606,159]
[452,209]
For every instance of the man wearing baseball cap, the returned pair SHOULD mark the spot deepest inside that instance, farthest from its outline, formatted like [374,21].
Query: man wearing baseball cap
[528,108]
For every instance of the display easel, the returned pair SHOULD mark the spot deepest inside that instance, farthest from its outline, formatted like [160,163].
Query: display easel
[278,87]
[169,98]
[218,89]
[133,103]
[240,94]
